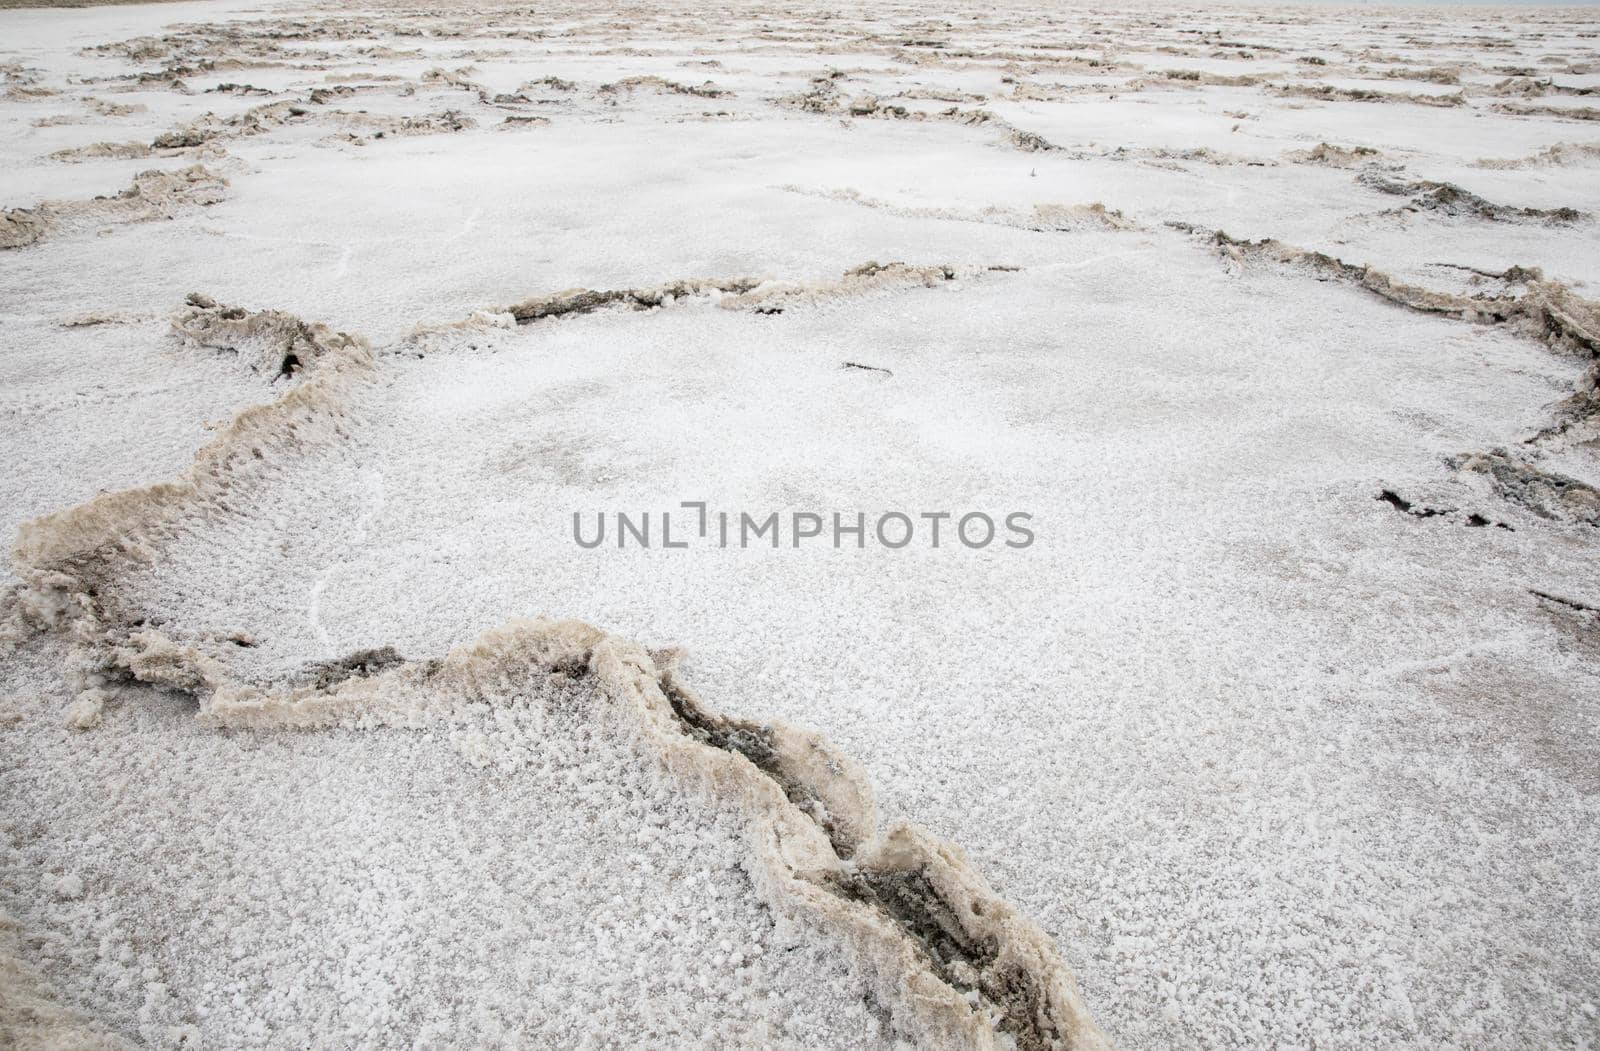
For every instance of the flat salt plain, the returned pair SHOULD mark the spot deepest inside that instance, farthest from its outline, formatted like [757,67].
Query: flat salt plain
[1267,759]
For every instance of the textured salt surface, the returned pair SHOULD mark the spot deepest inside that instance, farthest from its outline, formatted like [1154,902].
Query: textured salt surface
[1270,761]
[510,878]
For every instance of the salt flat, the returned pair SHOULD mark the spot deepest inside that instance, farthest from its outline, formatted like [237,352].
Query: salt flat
[323,729]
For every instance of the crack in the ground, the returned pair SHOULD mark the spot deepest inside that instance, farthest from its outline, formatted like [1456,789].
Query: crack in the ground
[1548,310]
[275,344]
[1546,494]
[1330,156]
[361,664]
[1569,603]
[1052,218]
[153,195]
[1404,506]
[1334,93]
[743,293]
[1526,109]
[1542,309]
[1449,199]
[825,97]
[1399,503]
[1560,155]
[707,90]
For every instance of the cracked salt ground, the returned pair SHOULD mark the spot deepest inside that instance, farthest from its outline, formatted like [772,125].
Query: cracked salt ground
[475,523]
[505,878]
[1269,762]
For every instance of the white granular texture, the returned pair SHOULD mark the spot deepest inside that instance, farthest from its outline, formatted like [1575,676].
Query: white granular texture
[1273,761]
